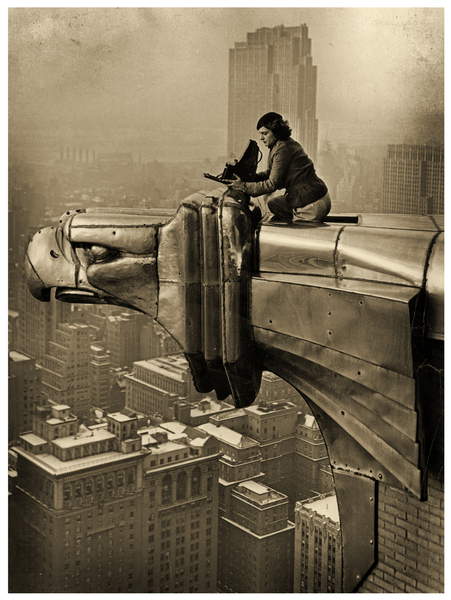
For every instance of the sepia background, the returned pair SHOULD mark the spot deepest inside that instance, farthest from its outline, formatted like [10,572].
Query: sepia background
[128,107]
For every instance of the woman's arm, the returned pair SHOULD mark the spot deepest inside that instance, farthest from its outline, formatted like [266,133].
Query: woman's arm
[276,177]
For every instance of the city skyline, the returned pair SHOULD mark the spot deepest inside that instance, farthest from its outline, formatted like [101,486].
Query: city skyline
[119,454]
[122,66]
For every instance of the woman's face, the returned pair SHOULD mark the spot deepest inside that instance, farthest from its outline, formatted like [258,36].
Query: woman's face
[267,137]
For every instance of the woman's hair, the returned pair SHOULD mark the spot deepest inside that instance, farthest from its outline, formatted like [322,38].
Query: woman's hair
[276,124]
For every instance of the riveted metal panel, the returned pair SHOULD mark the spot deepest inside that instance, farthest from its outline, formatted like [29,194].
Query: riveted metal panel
[290,368]
[355,401]
[391,256]
[345,454]
[133,234]
[179,301]
[381,329]
[236,260]
[356,497]
[435,288]
[387,291]
[400,390]
[395,221]
[211,320]
[308,249]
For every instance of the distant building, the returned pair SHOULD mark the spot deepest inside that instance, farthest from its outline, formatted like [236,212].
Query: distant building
[65,367]
[256,542]
[37,321]
[293,455]
[200,412]
[24,389]
[99,377]
[413,180]
[155,385]
[273,71]
[122,338]
[317,551]
[155,341]
[273,387]
[310,458]
[114,508]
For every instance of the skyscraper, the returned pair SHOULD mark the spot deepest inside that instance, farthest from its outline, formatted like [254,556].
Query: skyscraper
[24,382]
[259,540]
[273,70]
[413,180]
[114,508]
[317,546]
[65,370]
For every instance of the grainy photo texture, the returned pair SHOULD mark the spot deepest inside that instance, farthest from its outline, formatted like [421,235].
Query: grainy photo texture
[226,300]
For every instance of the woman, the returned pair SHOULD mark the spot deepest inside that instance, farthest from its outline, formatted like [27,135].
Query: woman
[289,168]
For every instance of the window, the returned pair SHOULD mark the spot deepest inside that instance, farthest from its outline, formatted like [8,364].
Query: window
[195,482]
[166,493]
[181,486]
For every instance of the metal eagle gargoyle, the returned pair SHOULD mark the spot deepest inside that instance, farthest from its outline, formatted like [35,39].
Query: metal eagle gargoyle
[350,312]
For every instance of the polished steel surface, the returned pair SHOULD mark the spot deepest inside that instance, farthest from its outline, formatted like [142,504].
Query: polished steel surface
[387,385]
[374,329]
[356,497]
[435,288]
[342,311]
[395,221]
[309,249]
[385,457]
[386,255]
[211,317]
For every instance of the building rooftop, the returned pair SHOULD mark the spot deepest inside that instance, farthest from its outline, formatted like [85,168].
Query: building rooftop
[33,439]
[259,492]
[174,426]
[231,414]
[228,436]
[61,407]
[120,417]
[55,466]
[210,406]
[309,421]
[18,356]
[275,406]
[174,366]
[94,435]
[327,507]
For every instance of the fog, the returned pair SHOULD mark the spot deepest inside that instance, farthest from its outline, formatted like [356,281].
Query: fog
[157,78]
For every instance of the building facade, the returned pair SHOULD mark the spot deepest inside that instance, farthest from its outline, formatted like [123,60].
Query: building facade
[413,180]
[24,389]
[317,546]
[114,508]
[155,385]
[100,379]
[258,541]
[273,70]
[65,367]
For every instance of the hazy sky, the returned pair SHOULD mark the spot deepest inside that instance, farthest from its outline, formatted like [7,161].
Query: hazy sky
[163,71]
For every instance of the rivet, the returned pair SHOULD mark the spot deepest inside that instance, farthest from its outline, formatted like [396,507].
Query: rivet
[329,313]
[371,499]
[342,412]
[380,475]
[114,233]
[371,542]
[357,577]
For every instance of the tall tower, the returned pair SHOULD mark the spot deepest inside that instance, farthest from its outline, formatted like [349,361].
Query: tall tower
[65,369]
[413,179]
[273,71]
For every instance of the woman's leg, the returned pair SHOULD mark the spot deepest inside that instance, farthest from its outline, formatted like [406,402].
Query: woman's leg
[280,209]
[316,211]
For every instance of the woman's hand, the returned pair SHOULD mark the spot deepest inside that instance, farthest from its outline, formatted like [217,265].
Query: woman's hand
[236,184]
